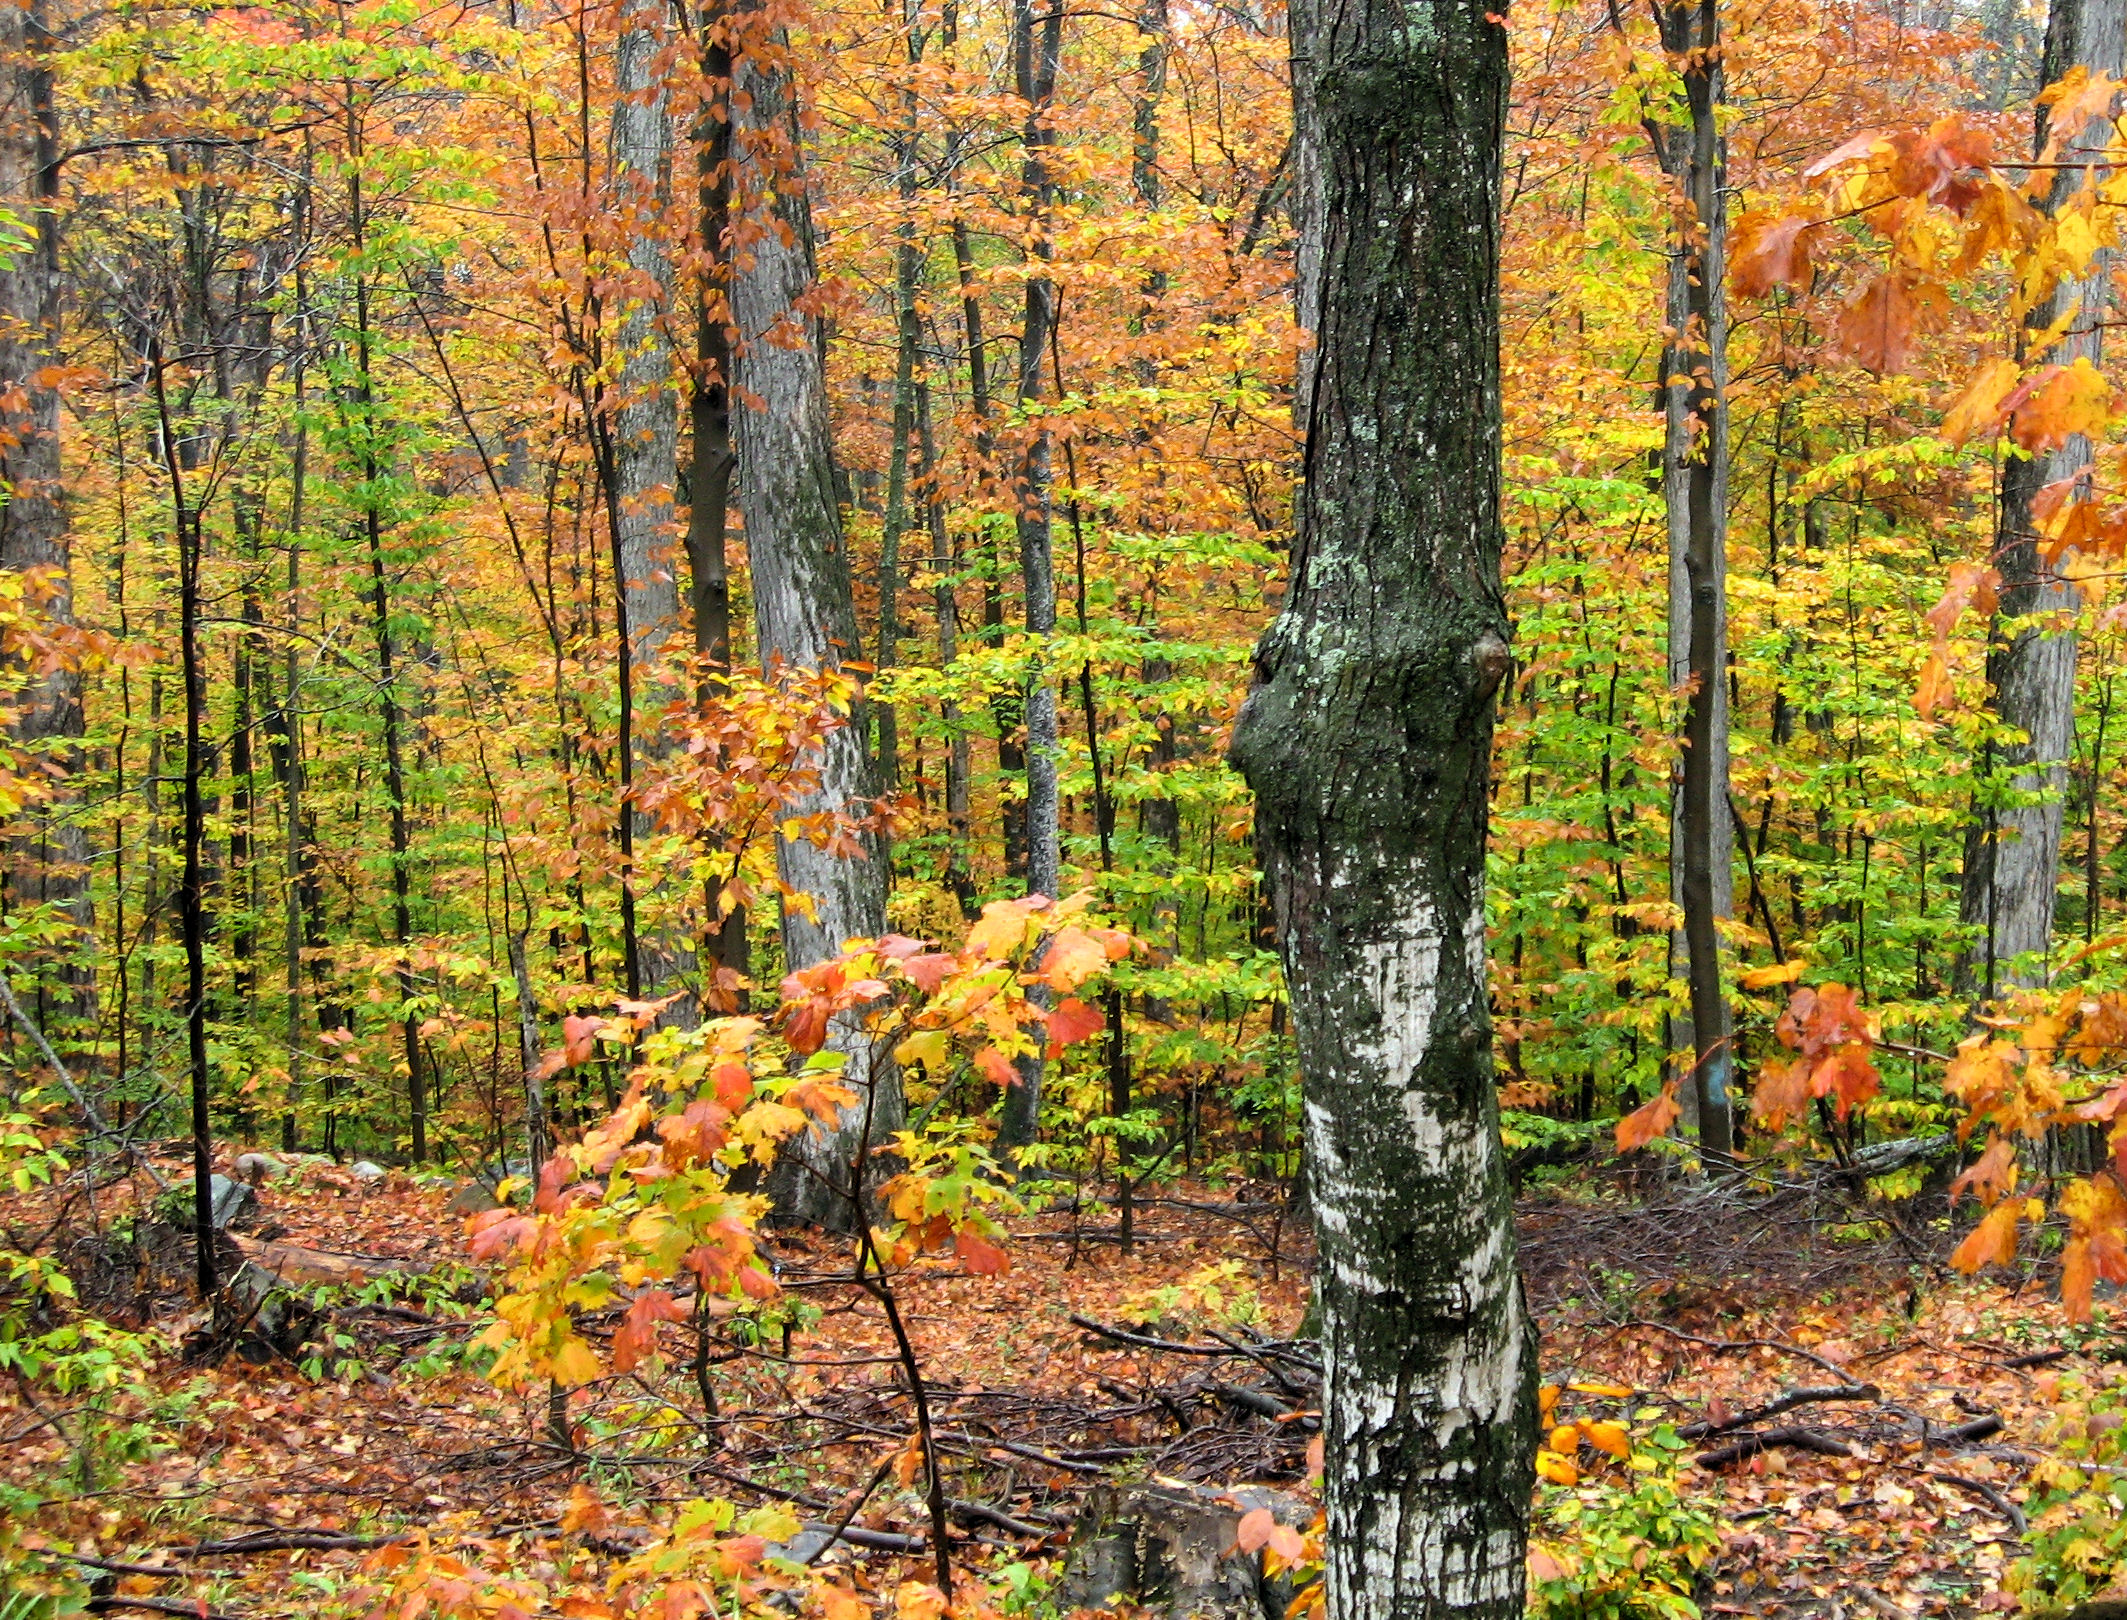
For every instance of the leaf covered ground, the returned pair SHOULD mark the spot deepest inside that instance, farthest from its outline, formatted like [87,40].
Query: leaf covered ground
[265,1478]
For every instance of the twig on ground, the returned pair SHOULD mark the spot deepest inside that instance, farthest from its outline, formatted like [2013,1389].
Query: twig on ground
[1786,1403]
[191,1611]
[1799,1439]
[1993,1497]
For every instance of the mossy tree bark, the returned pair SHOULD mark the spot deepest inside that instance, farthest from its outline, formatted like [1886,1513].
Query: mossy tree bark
[1367,741]
[2013,846]
[805,614]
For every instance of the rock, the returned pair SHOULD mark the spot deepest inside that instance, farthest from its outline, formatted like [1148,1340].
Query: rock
[228,1202]
[367,1173]
[472,1198]
[1171,1547]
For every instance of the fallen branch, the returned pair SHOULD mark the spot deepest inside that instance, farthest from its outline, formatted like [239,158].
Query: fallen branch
[1252,1400]
[2038,1358]
[985,1514]
[1728,1347]
[1994,1499]
[1786,1403]
[1143,1341]
[1798,1439]
[191,1611]
[284,1541]
[1980,1428]
[877,1540]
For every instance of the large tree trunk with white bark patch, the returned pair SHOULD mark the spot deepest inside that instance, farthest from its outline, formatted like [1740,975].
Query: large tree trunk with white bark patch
[1367,741]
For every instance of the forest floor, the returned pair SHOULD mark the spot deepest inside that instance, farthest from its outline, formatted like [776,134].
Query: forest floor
[247,1485]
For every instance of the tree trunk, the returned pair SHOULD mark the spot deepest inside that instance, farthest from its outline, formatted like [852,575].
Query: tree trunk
[1695,495]
[709,427]
[645,452]
[804,611]
[2012,852]
[1367,741]
[1037,51]
[49,864]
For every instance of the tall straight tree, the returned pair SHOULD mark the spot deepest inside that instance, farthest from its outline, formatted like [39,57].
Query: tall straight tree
[2013,849]
[1037,55]
[50,864]
[643,463]
[1695,498]
[1367,740]
[805,614]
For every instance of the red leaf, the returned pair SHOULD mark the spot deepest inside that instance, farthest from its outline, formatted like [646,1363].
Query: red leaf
[579,1039]
[1770,253]
[930,971]
[1073,1021]
[1876,329]
[996,1066]
[980,1255]
[1254,1530]
[1648,1121]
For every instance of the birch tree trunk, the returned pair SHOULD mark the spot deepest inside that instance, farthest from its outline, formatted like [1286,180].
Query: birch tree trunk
[805,615]
[1695,496]
[1367,741]
[2013,850]
[49,865]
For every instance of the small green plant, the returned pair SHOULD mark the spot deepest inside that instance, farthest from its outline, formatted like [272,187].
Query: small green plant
[1018,1588]
[1623,1545]
[1218,1294]
[2078,1504]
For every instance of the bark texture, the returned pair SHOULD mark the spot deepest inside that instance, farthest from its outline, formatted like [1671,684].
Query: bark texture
[645,462]
[2013,851]
[1367,741]
[1037,54]
[1695,496]
[50,864]
[805,615]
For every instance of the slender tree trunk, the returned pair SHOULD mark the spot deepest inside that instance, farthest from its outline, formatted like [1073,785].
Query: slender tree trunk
[390,712]
[49,864]
[908,344]
[1695,495]
[645,458]
[804,610]
[1367,741]
[1037,51]
[2012,852]
[1005,707]
[191,894]
[709,430]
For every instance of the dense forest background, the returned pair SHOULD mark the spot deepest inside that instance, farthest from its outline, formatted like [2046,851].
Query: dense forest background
[399,325]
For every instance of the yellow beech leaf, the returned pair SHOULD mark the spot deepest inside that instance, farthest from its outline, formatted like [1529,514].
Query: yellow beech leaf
[929,1047]
[1610,1392]
[1608,1437]
[1765,978]
[1547,1400]
[1565,1439]
[1556,1469]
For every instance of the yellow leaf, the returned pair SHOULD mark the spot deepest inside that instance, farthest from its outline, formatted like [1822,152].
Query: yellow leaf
[1765,978]
[575,1362]
[1608,1437]
[1565,1439]
[1978,409]
[1609,1392]
[1556,1469]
